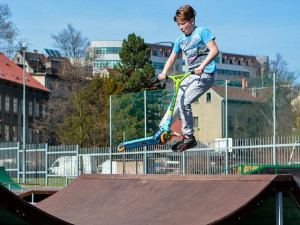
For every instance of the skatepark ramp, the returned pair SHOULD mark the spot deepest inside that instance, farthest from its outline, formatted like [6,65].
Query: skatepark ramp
[163,200]
[6,180]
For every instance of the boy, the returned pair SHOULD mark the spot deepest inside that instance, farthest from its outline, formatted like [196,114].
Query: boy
[200,48]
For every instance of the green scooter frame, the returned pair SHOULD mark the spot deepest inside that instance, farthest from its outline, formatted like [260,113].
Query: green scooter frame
[161,136]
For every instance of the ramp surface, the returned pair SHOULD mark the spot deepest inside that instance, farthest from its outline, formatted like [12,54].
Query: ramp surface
[163,200]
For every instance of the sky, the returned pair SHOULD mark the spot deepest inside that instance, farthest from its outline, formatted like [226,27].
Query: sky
[249,27]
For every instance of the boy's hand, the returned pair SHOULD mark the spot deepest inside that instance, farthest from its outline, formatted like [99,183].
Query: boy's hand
[199,70]
[162,76]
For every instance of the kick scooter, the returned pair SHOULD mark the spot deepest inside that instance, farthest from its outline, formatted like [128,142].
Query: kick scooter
[162,135]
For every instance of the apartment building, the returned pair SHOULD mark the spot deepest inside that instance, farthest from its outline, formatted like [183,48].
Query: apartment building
[11,102]
[43,67]
[232,66]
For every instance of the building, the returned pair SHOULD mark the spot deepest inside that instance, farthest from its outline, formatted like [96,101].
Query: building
[11,102]
[229,65]
[235,66]
[43,67]
[106,55]
[209,112]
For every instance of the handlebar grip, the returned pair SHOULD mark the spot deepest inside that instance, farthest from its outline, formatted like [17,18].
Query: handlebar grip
[193,72]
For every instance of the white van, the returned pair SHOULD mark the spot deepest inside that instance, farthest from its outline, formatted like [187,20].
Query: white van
[68,166]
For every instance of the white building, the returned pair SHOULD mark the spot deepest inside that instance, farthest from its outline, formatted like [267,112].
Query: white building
[106,54]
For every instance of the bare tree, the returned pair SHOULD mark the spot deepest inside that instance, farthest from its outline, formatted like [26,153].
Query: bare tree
[71,42]
[8,31]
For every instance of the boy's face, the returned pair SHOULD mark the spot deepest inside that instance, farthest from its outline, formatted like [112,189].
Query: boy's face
[186,26]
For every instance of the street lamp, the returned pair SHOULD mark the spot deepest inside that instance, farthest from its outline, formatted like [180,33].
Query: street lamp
[24,114]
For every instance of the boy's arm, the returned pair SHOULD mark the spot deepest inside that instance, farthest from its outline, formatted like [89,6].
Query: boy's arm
[170,62]
[213,53]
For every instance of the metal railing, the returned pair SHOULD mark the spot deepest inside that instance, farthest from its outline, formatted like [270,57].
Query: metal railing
[59,165]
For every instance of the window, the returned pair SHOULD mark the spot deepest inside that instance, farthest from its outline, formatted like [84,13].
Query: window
[230,122]
[217,60]
[15,105]
[0,131]
[156,52]
[233,73]
[106,63]
[44,108]
[7,104]
[6,132]
[37,109]
[196,123]
[22,107]
[208,97]
[30,108]
[15,133]
[158,66]
[107,50]
[30,132]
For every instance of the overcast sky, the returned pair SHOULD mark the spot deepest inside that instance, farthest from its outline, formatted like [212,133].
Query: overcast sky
[251,27]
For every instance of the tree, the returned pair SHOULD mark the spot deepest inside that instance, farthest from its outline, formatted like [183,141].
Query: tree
[8,30]
[136,70]
[72,79]
[87,122]
[71,42]
[258,116]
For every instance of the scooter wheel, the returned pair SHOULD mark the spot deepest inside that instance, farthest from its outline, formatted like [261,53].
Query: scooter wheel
[121,149]
[163,138]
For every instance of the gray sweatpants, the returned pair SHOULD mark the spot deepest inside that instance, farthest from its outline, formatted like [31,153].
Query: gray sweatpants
[189,91]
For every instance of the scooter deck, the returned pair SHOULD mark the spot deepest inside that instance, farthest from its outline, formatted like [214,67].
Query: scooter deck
[159,138]
[138,143]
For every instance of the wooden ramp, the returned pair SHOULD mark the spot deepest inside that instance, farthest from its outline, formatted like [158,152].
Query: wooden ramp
[163,200]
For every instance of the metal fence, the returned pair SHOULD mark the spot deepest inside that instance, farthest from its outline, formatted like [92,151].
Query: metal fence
[59,165]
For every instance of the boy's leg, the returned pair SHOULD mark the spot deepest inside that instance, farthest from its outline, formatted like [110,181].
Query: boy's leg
[183,86]
[194,91]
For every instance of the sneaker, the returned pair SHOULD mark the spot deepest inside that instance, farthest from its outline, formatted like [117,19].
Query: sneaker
[187,142]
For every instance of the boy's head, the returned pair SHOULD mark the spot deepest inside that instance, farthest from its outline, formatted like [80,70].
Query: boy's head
[185,13]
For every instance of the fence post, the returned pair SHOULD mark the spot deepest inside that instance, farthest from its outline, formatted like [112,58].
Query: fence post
[274,120]
[226,125]
[110,132]
[183,163]
[145,122]
[18,161]
[77,156]
[46,163]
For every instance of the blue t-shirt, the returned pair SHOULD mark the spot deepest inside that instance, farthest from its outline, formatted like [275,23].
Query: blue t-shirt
[195,49]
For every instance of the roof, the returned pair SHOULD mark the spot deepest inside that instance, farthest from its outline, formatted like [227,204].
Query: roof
[240,94]
[11,72]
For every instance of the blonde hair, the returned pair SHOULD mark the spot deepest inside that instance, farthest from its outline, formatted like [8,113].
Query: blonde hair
[185,12]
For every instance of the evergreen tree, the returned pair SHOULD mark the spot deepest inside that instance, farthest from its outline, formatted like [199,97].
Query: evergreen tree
[136,70]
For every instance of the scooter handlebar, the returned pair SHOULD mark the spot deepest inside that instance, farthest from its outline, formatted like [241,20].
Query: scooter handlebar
[192,72]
